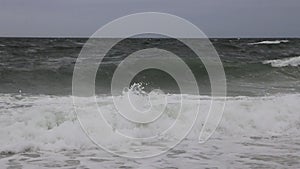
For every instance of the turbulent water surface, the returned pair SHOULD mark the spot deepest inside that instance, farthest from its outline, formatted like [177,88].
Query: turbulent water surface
[259,129]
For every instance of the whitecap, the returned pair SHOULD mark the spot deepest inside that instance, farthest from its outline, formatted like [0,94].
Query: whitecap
[269,42]
[293,61]
[49,123]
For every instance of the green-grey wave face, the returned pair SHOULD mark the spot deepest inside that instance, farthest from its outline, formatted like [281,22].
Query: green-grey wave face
[252,66]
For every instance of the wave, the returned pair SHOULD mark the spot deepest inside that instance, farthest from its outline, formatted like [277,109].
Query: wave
[48,122]
[293,61]
[269,42]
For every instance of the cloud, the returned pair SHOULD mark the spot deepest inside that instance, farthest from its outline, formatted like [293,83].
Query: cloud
[217,18]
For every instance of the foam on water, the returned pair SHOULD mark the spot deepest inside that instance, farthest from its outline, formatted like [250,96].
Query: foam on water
[293,61]
[268,42]
[49,123]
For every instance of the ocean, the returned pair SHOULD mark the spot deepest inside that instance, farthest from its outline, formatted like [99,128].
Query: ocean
[259,129]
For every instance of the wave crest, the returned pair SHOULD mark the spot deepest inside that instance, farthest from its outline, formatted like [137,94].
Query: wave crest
[268,42]
[293,61]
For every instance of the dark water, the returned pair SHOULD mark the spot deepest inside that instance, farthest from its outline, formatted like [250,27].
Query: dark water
[45,66]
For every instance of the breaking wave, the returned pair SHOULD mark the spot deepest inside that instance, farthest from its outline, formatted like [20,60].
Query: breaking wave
[268,42]
[293,61]
[49,123]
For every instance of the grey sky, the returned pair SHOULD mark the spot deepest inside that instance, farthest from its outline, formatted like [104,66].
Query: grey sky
[216,18]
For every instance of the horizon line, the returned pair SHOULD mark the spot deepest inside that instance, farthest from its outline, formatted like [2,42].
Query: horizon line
[212,37]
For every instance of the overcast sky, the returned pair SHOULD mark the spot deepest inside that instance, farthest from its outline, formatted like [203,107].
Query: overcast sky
[216,18]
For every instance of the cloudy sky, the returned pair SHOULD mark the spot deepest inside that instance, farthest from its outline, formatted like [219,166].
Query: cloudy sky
[216,18]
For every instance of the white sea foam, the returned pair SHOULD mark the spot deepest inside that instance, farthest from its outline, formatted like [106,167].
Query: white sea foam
[293,61]
[48,122]
[269,42]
